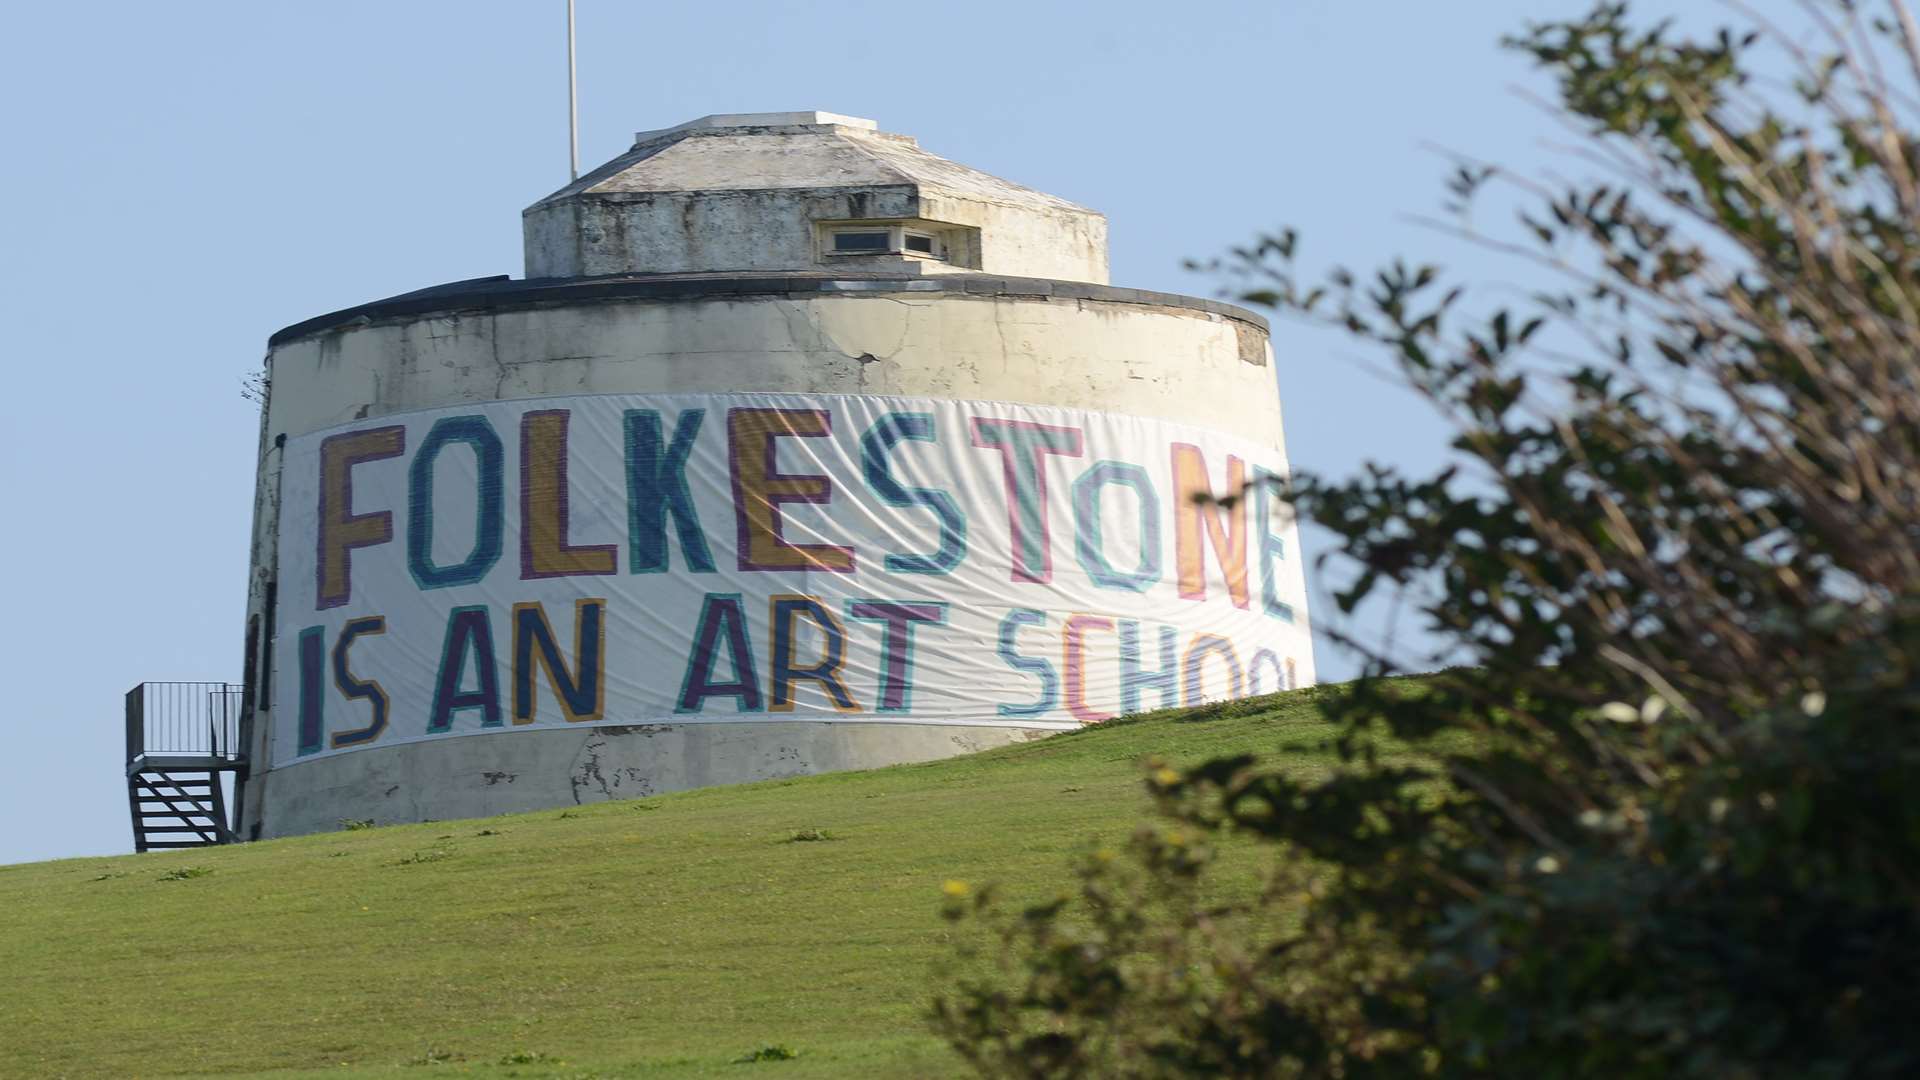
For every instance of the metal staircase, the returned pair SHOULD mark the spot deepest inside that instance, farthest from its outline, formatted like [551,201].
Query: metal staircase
[174,810]
[183,742]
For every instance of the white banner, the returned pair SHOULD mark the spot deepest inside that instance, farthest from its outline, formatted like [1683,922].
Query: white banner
[709,558]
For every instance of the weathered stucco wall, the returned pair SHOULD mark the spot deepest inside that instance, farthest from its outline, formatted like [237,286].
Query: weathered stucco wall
[1068,246]
[681,232]
[1185,364]
[684,232]
[1189,361]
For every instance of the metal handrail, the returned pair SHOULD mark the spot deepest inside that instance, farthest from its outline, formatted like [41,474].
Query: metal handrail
[184,719]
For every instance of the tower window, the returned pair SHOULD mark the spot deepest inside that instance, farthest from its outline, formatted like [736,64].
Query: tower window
[881,239]
[862,242]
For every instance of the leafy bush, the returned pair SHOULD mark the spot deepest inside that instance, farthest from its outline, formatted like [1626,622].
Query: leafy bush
[1681,836]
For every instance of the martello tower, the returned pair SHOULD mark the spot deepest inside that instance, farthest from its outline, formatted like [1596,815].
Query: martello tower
[798,448]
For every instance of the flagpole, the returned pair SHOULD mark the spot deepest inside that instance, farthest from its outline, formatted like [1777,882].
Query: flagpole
[573,104]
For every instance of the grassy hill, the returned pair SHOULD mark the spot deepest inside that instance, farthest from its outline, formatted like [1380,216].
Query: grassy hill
[662,937]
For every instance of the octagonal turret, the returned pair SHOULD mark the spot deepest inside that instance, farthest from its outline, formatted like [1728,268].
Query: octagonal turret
[804,191]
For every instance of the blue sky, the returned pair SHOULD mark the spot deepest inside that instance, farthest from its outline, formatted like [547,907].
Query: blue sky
[184,179]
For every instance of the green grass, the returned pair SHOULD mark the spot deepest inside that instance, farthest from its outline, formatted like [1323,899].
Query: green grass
[681,935]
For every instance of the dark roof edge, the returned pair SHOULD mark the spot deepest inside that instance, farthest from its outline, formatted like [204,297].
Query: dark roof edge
[503,293]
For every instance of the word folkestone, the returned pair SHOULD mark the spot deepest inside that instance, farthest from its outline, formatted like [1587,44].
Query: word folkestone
[626,559]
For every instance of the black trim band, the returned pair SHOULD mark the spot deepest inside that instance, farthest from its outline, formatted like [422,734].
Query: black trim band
[503,293]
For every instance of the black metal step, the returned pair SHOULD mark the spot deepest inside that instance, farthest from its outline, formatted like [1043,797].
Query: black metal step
[183,809]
